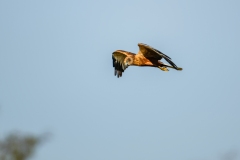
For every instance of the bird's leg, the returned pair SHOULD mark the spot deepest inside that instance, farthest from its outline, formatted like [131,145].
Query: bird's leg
[163,68]
[165,65]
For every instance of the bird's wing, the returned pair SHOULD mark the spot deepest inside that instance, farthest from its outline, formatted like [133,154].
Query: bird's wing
[150,52]
[118,61]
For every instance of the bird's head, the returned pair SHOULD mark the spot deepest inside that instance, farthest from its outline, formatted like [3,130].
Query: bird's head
[128,61]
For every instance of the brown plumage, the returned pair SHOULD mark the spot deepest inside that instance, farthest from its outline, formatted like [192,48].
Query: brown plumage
[146,56]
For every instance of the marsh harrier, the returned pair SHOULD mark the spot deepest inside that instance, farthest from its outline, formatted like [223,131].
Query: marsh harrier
[146,56]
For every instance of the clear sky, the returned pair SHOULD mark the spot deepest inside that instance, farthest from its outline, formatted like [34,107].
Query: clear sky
[56,76]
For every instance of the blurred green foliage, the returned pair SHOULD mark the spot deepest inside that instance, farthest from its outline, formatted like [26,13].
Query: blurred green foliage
[19,147]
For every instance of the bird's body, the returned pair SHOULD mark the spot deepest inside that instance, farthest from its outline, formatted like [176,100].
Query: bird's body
[147,56]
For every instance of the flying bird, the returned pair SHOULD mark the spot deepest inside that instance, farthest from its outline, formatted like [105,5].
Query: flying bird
[146,56]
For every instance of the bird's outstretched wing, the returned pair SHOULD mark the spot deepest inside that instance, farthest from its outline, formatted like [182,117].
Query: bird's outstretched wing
[118,61]
[150,52]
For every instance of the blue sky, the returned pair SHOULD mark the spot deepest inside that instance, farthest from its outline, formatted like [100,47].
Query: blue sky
[56,76]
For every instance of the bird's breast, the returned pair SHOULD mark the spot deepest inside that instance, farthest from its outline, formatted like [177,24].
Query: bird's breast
[142,61]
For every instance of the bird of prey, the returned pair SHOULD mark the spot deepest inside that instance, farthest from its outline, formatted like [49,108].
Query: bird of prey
[146,56]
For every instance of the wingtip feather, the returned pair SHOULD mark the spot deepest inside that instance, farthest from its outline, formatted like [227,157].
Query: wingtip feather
[179,69]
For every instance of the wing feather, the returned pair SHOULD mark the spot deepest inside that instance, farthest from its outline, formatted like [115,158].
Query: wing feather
[118,62]
[150,52]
